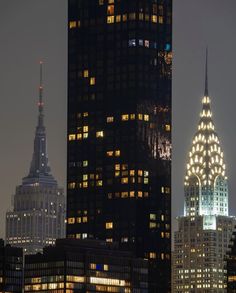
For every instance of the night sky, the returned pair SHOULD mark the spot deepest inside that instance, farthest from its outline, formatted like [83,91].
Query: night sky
[34,30]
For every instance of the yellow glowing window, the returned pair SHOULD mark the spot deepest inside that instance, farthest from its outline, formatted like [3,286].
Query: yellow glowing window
[167,127]
[162,256]
[71,185]
[167,190]
[85,219]
[101,2]
[79,23]
[131,194]
[132,16]
[152,255]
[71,137]
[146,117]
[93,266]
[124,17]
[160,19]
[85,184]
[110,119]
[71,220]
[132,116]
[162,189]
[125,117]
[117,173]
[85,163]
[86,73]
[163,217]
[117,153]
[109,153]
[145,180]
[85,114]
[140,16]
[85,135]
[117,167]
[109,225]
[154,18]
[110,19]
[152,216]
[124,194]
[132,172]
[79,136]
[72,24]
[162,235]
[78,220]
[110,9]
[106,267]
[99,134]
[99,183]
[124,180]
[140,116]
[109,240]
[118,18]
[140,194]
[85,177]
[146,173]
[140,172]
[110,1]
[92,80]
[85,129]
[152,225]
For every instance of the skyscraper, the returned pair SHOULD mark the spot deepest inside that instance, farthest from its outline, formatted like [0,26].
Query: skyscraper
[119,127]
[38,215]
[204,232]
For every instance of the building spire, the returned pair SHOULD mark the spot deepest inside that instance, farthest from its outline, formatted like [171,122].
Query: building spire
[40,172]
[206,75]
[40,101]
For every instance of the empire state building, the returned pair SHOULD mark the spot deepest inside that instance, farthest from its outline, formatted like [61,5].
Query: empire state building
[38,216]
[204,232]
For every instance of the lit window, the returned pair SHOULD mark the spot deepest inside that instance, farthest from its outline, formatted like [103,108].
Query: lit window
[152,225]
[85,114]
[110,1]
[132,43]
[99,134]
[92,80]
[78,220]
[85,177]
[109,225]
[140,116]
[110,19]
[146,117]
[140,16]
[124,180]
[152,255]
[132,172]
[79,136]
[132,116]
[85,129]
[109,240]
[145,180]
[146,43]
[109,153]
[71,220]
[110,119]
[85,135]
[85,163]
[140,194]
[72,137]
[160,20]
[72,24]
[85,184]
[163,217]
[154,18]
[93,266]
[140,172]
[117,167]
[86,73]
[118,18]
[85,219]
[167,127]
[152,216]
[117,153]
[99,183]
[110,9]
[105,267]
[79,23]
[124,17]
[124,194]
[131,194]
[101,2]
[71,185]
[125,117]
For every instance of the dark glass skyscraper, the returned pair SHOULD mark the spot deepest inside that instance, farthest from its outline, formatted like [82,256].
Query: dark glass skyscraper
[119,127]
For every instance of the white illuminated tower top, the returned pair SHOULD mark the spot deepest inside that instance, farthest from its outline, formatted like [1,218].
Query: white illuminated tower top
[206,187]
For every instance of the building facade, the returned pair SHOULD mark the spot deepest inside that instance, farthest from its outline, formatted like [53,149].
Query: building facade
[119,127]
[11,268]
[38,216]
[85,266]
[204,232]
[231,265]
